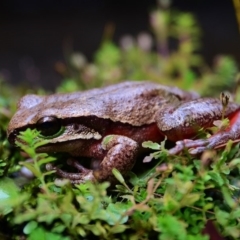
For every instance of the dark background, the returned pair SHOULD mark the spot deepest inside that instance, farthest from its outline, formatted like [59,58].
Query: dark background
[33,33]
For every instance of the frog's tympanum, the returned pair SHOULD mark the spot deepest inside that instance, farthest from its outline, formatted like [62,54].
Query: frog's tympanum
[108,125]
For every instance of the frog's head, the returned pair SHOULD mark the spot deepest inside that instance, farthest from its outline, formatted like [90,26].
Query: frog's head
[39,112]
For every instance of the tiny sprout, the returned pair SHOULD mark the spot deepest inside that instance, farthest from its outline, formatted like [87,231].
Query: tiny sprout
[224,97]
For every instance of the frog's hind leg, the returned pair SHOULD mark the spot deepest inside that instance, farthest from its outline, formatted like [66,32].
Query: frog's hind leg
[182,123]
[218,140]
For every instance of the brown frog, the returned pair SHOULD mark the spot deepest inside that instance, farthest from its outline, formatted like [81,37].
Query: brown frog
[109,124]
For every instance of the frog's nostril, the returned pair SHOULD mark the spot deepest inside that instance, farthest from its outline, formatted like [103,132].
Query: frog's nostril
[75,127]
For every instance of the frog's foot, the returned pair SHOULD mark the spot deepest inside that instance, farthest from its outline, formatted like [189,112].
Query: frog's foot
[83,175]
[194,147]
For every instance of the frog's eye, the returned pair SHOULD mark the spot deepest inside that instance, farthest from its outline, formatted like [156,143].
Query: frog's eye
[48,126]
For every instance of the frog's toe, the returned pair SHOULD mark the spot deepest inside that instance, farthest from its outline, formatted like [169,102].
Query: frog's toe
[198,150]
[193,146]
[77,165]
[180,146]
[83,176]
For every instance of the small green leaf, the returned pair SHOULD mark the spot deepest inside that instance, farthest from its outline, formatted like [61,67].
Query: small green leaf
[46,160]
[81,231]
[170,227]
[118,228]
[235,163]
[9,195]
[118,175]
[30,227]
[236,213]
[222,216]
[83,219]
[41,233]
[8,189]
[38,233]
[41,142]
[66,218]
[106,140]
[189,199]
[208,206]
[217,178]
[97,229]
[228,197]
[58,228]
[114,213]
[151,145]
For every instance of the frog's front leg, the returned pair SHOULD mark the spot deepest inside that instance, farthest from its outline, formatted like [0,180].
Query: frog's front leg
[182,123]
[121,153]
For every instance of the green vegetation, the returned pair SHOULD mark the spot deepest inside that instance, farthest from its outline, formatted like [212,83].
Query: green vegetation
[173,200]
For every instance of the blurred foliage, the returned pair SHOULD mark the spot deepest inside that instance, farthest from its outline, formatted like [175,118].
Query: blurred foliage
[170,55]
[174,200]
[171,201]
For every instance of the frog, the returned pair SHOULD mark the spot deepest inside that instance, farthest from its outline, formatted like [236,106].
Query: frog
[108,125]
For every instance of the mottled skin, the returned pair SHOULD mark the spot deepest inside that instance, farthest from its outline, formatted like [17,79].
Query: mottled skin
[109,124]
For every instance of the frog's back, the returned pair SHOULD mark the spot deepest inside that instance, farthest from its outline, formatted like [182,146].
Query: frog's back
[134,103]
[128,102]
